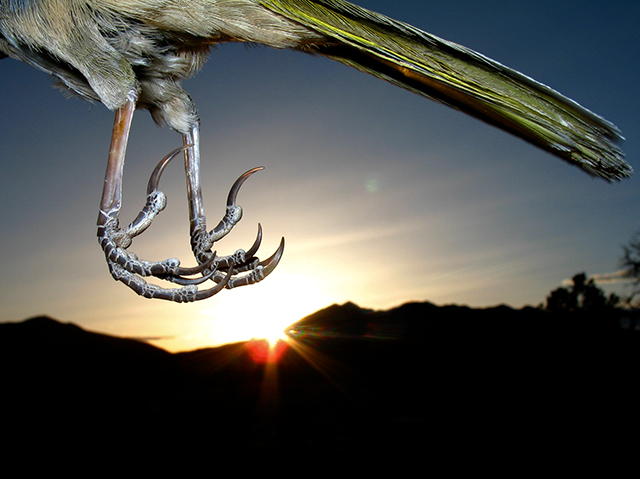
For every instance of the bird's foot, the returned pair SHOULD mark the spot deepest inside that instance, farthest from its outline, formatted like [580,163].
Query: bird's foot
[202,241]
[241,268]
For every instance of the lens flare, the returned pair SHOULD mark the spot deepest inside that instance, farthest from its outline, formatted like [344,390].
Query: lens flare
[264,351]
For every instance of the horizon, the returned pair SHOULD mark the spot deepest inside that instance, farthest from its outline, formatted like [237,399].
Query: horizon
[383,197]
[274,336]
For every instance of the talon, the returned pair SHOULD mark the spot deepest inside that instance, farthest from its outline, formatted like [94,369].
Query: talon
[270,263]
[233,193]
[190,281]
[259,271]
[207,293]
[198,269]
[256,244]
[240,257]
[156,200]
[234,212]
[185,294]
[154,179]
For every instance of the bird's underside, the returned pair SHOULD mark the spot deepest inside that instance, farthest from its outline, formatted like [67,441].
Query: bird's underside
[133,54]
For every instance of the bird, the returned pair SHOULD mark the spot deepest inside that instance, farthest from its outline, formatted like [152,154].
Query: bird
[134,54]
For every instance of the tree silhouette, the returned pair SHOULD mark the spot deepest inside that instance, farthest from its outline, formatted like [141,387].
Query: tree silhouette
[631,264]
[583,297]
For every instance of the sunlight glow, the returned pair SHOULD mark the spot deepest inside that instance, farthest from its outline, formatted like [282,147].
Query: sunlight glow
[263,311]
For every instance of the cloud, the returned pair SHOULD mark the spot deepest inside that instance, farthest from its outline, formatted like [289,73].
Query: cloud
[615,277]
[621,276]
[151,338]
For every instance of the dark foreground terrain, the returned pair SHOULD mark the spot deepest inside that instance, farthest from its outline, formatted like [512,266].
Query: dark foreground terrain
[420,388]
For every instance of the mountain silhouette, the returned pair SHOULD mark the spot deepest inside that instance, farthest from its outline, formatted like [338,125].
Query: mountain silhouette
[447,387]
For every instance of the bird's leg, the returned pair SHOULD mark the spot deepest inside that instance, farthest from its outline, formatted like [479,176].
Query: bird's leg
[125,266]
[202,241]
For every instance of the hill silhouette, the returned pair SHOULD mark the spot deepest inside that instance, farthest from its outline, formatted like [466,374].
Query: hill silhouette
[446,387]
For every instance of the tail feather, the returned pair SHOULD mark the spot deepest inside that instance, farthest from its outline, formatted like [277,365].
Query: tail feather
[463,79]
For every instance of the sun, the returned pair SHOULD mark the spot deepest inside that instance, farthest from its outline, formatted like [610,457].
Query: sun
[282,303]
[265,310]
[272,330]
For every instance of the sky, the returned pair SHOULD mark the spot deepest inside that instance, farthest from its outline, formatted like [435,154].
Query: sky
[383,196]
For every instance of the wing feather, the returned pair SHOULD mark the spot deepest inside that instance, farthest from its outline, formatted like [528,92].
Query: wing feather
[461,78]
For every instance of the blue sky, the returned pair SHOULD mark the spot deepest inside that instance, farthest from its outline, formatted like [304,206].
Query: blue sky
[383,197]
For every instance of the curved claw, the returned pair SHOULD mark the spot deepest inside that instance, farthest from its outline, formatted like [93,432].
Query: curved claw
[198,269]
[261,270]
[233,192]
[244,260]
[154,179]
[185,294]
[156,201]
[232,216]
[256,244]
[271,262]
[179,277]
[207,293]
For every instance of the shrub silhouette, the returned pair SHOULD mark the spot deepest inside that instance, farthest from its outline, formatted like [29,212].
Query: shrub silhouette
[581,297]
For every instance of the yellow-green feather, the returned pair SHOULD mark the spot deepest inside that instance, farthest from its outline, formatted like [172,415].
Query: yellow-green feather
[457,76]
